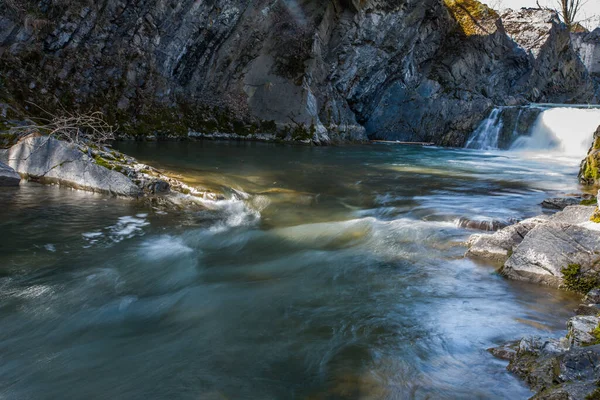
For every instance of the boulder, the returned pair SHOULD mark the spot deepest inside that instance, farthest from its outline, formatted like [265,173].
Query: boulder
[550,249]
[500,245]
[47,160]
[8,176]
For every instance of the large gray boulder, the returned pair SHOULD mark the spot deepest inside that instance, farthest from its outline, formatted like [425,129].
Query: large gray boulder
[550,248]
[47,160]
[498,247]
[8,176]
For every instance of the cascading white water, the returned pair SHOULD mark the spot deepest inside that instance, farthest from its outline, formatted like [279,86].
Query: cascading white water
[564,130]
[486,135]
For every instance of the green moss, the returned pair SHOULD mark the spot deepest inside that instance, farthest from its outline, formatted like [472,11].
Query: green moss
[574,280]
[102,162]
[589,170]
[589,202]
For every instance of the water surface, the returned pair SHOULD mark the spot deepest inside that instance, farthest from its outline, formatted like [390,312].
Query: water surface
[329,273]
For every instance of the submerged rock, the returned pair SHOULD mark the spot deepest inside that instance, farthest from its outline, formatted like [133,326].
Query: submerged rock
[47,160]
[8,176]
[482,225]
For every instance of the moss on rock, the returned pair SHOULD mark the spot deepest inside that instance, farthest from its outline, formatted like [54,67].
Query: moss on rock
[471,15]
[576,281]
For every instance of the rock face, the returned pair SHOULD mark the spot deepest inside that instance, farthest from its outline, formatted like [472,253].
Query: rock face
[47,160]
[309,70]
[587,46]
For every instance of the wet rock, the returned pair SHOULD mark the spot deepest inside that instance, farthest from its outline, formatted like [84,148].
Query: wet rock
[482,225]
[559,203]
[8,176]
[47,160]
[552,368]
[581,330]
[506,352]
[158,186]
[500,245]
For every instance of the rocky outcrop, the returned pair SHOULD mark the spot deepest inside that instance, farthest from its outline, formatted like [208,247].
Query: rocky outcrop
[47,160]
[8,176]
[565,368]
[315,71]
[100,169]
[587,45]
[562,250]
[553,252]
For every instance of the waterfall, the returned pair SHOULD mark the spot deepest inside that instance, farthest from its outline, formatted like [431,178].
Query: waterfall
[487,133]
[564,130]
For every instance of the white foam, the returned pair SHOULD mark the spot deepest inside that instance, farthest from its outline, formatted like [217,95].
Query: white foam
[564,131]
[126,228]
[164,247]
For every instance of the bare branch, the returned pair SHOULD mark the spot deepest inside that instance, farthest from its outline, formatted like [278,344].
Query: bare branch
[91,128]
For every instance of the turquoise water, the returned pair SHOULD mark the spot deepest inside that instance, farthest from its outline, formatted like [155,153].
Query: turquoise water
[329,273]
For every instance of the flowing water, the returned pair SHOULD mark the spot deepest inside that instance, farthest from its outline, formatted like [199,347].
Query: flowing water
[564,130]
[329,273]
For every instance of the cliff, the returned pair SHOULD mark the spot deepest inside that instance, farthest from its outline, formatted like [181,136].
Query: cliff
[309,70]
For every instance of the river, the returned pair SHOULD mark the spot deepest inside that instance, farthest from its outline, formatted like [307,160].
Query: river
[328,273]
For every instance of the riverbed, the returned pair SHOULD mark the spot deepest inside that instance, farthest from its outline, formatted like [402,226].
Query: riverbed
[327,273]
